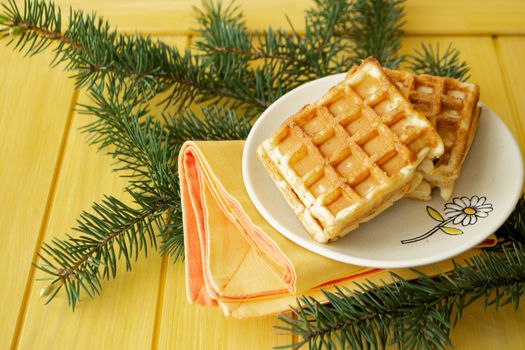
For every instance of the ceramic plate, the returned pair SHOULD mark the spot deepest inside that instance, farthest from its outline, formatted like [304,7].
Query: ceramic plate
[409,233]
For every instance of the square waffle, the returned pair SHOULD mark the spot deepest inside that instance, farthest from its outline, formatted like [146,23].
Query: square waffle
[451,106]
[351,154]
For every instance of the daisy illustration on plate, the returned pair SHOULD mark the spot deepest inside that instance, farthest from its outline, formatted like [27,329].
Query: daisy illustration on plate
[460,211]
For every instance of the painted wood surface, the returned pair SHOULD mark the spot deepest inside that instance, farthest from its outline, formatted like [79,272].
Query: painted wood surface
[34,113]
[465,17]
[48,174]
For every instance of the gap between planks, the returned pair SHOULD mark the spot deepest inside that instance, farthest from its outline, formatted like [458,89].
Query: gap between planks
[45,219]
[160,302]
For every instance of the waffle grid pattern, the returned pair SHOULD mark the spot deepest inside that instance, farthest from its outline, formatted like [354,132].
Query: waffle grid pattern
[450,106]
[347,149]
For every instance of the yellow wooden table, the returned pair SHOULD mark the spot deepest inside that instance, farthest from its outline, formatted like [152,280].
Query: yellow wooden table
[48,174]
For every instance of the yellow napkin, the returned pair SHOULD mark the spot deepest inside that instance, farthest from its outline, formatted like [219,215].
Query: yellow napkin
[234,259]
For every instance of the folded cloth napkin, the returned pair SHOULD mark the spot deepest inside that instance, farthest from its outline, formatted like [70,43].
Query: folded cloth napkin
[234,259]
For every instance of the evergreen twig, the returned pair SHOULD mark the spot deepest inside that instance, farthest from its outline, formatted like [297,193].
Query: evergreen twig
[413,315]
[113,230]
[375,27]
[429,60]
[95,54]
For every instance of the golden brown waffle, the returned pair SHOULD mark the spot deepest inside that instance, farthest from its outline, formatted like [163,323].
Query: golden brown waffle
[451,107]
[351,154]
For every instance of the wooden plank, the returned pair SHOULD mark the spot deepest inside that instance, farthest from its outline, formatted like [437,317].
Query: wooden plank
[124,316]
[479,329]
[511,52]
[35,103]
[465,17]
[423,16]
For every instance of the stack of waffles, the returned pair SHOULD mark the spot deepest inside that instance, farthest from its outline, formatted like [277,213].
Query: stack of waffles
[375,137]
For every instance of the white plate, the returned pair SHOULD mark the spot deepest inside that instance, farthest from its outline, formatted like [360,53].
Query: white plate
[493,170]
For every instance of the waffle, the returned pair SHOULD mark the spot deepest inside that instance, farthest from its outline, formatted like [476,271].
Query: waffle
[351,154]
[451,106]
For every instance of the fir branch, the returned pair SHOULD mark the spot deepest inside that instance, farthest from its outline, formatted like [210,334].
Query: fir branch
[413,315]
[375,27]
[286,60]
[324,51]
[112,231]
[222,30]
[147,152]
[96,54]
[125,130]
[36,37]
[428,60]
[141,145]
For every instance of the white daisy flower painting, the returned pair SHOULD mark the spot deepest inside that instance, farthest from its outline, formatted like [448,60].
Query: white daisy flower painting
[462,211]
[466,211]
